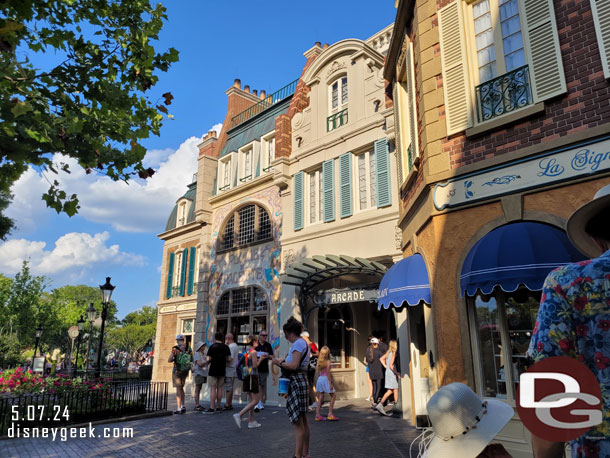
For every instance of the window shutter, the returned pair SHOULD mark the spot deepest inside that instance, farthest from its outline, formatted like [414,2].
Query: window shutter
[170,275]
[299,205]
[345,177]
[455,77]
[413,128]
[328,182]
[192,256]
[398,142]
[183,272]
[542,48]
[601,19]
[256,159]
[214,186]
[382,165]
[235,168]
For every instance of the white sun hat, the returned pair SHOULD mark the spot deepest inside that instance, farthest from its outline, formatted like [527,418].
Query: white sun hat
[462,423]
[577,223]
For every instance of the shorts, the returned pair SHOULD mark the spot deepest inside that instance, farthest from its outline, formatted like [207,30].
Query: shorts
[250,384]
[200,380]
[228,385]
[262,379]
[179,378]
[216,381]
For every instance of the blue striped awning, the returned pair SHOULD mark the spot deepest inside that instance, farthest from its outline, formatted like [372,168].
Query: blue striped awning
[516,254]
[405,282]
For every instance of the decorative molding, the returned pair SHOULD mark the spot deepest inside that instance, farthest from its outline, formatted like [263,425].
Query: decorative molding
[288,259]
[398,237]
[297,120]
[335,67]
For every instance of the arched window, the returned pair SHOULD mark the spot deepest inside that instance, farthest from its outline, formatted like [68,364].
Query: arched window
[333,332]
[247,226]
[242,312]
[337,103]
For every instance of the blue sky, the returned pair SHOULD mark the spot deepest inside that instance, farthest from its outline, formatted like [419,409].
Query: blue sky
[115,233]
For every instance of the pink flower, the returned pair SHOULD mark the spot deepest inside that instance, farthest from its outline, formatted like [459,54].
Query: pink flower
[566,345]
[539,346]
[604,325]
[601,361]
[582,330]
[580,302]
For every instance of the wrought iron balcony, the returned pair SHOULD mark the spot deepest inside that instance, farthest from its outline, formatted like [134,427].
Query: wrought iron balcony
[267,102]
[175,291]
[504,94]
[336,120]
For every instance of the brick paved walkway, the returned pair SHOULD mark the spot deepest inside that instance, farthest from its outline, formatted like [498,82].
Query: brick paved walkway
[360,433]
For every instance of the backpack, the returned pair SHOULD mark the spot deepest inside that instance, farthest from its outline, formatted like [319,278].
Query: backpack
[241,368]
[183,361]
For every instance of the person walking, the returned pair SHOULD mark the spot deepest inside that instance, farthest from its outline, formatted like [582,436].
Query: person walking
[311,370]
[325,385]
[391,376]
[294,366]
[181,355]
[200,372]
[218,357]
[375,368]
[264,353]
[368,378]
[230,371]
[250,384]
[573,318]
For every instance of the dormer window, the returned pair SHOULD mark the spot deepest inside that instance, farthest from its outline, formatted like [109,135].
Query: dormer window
[338,98]
[246,165]
[182,213]
[225,174]
[268,151]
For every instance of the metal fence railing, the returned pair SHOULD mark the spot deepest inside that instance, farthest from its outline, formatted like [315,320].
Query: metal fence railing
[504,94]
[113,400]
[267,102]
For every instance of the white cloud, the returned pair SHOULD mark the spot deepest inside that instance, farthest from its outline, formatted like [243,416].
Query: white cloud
[154,157]
[74,254]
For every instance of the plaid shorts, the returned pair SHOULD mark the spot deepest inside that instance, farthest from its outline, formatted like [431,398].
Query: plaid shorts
[298,397]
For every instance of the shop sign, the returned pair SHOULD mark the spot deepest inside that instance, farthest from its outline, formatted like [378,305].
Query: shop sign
[341,296]
[554,167]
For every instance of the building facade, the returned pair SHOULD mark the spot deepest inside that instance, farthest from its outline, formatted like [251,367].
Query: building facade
[502,132]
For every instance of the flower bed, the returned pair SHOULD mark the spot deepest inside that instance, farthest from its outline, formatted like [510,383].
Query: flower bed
[18,381]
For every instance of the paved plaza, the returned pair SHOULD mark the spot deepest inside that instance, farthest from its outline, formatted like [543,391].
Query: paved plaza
[359,433]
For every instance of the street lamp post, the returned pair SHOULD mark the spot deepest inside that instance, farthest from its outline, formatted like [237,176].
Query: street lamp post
[38,335]
[81,325]
[106,289]
[91,315]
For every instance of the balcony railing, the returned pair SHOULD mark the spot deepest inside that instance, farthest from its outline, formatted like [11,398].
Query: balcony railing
[336,120]
[410,156]
[175,291]
[504,94]
[267,102]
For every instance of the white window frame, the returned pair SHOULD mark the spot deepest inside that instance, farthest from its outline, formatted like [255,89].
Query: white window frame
[356,182]
[181,214]
[226,164]
[267,141]
[317,173]
[244,176]
[340,105]
[494,8]
[177,269]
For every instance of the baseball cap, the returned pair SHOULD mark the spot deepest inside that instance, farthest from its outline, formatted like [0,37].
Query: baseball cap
[179,337]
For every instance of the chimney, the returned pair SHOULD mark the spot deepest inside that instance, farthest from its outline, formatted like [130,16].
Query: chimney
[263,93]
[247,88]
[325,46]
[212,133]
[255,92]
[318,44]
[237,83]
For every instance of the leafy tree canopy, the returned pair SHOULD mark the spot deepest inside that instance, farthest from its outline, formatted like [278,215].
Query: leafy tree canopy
[91,103]
[135,331]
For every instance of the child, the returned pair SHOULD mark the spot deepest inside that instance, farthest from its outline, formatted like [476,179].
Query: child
[325,384]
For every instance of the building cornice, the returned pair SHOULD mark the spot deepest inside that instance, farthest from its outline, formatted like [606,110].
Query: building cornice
[177,232]
[245,189]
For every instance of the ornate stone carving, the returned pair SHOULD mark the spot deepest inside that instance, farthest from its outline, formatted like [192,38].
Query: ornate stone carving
[335,67]
[297,120]
[398,237]
[288,258]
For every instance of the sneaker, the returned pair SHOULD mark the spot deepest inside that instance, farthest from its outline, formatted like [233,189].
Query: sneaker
[254,424]
[218,410]
[319,418]
[208,411]
[261,406]
[256,409]
[367,399]
[199,408]
[177,412]
[227,407]
[183,409]
[380,409]
[237,419]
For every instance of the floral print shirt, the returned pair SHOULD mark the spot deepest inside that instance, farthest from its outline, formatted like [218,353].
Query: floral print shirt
[574,320]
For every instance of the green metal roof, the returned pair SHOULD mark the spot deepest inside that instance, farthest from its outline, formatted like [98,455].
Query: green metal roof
[190,195]
[255,127]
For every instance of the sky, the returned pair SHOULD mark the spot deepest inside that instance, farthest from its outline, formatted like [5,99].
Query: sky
[115,232]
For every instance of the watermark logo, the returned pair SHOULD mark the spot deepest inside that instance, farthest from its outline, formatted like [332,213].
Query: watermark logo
[559,399]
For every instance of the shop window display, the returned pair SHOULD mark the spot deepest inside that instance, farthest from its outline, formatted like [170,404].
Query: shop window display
[242,311]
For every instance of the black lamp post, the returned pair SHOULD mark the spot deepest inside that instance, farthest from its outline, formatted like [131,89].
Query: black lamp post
[81,325]
[106,289]
[91,315]
[38,336]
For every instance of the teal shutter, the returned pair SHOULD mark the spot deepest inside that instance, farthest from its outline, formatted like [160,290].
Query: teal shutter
[328,179]
[258,166]
[183,273]
[214,187]
[192,256]
[345,179]
[170,276]
[299,204]
[382,165]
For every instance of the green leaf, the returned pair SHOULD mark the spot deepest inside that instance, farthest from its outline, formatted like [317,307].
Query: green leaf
[21,108]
